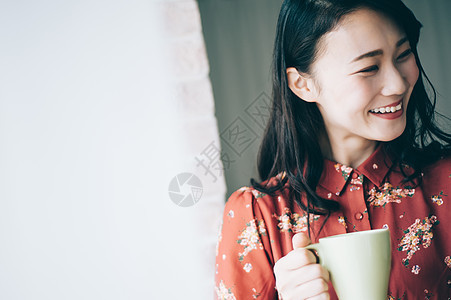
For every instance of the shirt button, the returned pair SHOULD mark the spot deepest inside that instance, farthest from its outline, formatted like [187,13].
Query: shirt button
[355,175]
[358,216]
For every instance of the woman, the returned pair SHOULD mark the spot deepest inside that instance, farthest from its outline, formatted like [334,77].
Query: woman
[351,145]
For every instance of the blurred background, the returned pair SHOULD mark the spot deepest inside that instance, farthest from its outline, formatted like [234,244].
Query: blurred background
[124,127]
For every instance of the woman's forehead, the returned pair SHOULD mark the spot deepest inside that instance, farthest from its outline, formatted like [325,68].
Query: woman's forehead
[360,32]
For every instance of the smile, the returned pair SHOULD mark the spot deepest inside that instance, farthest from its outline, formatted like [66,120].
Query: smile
[388,109]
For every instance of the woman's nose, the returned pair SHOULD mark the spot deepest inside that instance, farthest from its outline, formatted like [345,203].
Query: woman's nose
[394,82]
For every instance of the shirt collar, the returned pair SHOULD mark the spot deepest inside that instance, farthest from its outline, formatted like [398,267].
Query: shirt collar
[335,176]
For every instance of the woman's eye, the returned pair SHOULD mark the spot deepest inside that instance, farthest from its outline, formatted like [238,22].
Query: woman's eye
[369,69]
[405,54]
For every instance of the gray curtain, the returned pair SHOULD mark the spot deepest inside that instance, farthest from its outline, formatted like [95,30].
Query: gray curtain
[239,38]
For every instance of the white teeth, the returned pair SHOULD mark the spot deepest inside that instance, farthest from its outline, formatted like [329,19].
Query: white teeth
[387,109]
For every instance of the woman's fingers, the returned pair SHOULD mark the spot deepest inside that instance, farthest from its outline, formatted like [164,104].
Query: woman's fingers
[313,271]
[298,276]
[322,296]
[313,289]
[307,281]
[295,260]
[300,240]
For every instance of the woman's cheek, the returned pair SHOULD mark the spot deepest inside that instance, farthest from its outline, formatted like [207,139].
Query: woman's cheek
[411,72]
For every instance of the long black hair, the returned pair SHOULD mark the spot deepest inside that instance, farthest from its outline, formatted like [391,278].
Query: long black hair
[290,143]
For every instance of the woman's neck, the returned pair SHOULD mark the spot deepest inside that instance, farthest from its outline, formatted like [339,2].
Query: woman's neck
[351,152]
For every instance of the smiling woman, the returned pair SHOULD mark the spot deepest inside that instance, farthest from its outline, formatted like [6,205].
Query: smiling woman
[356,84]
[351,145]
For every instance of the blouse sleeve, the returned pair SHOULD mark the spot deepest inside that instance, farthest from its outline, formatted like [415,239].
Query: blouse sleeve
[243,270]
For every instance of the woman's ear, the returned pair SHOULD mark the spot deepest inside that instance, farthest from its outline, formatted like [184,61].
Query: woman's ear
[302,85]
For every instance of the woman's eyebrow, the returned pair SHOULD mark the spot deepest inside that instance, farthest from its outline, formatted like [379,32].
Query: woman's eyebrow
[379,51]
[401,41]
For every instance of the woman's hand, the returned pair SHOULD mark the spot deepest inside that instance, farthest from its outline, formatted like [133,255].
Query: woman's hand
[298,276]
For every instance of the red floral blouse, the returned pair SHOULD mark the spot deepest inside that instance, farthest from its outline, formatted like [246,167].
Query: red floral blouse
[257,228]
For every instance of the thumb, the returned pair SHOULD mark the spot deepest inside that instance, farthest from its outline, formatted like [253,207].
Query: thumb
[300,240]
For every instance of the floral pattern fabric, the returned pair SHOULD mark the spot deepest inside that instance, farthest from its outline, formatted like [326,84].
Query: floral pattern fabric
[418,234]
[388,194]
[250,237]
[257,228]
[292,222]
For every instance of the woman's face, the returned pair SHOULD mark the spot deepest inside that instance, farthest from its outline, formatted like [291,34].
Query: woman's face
[364,76]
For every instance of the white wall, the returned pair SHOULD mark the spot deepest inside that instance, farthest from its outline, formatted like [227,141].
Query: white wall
[89,140]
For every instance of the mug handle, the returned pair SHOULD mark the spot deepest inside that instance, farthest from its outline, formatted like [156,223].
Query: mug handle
[316,248]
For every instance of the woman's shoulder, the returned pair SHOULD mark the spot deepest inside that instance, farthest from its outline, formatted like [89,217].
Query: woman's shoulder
[441,165]
[259,201]
[277,213]
[438,174]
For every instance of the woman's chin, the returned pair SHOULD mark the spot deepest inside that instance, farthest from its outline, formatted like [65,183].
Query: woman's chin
[390,137]
[391,133]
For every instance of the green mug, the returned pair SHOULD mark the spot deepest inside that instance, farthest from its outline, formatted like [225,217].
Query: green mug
[358,263]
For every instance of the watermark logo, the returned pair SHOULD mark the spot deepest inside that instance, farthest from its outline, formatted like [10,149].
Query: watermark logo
[239,136]
[185,189]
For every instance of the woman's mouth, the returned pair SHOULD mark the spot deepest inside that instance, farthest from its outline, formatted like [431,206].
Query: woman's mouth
[390,112]
[388,109]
